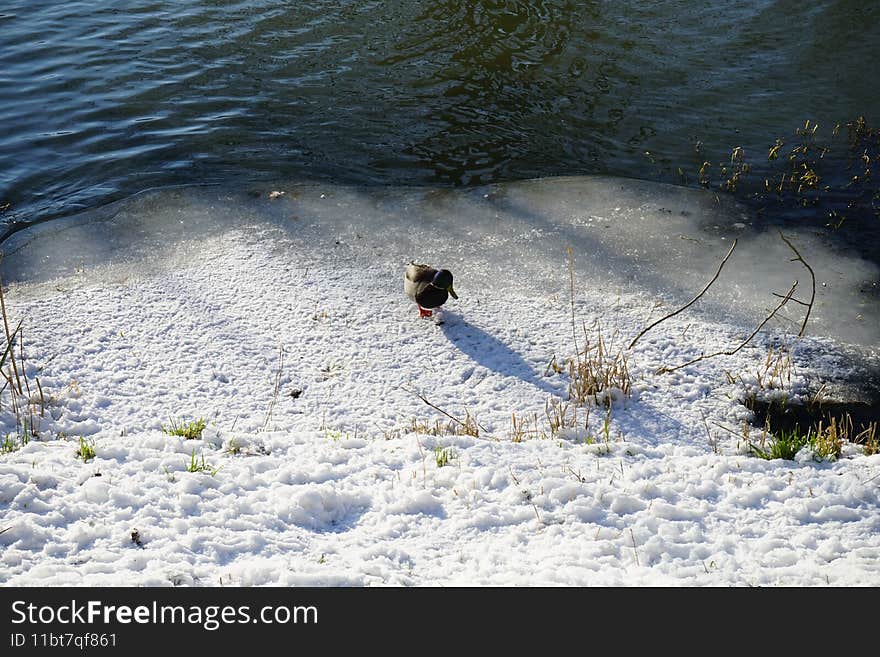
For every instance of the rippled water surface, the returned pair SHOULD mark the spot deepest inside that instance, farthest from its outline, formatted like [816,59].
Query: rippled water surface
[103,99]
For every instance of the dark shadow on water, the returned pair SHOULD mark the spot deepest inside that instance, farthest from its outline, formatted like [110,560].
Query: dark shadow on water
[490,352]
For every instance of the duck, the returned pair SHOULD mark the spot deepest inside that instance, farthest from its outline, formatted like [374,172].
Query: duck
[427,286]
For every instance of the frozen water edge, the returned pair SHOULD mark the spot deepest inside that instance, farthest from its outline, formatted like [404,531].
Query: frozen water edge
[327,483]
[626,236]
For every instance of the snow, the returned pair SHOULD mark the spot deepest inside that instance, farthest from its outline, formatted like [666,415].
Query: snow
[281,320]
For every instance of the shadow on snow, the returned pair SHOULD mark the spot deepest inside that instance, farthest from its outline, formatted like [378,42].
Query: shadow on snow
[490,352]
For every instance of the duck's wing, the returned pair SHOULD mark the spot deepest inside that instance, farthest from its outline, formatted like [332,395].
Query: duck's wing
[417,278]
[418,273]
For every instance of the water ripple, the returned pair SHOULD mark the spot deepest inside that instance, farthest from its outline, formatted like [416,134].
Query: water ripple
[101,99]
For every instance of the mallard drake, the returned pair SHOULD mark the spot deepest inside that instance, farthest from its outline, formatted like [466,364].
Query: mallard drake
[427,286]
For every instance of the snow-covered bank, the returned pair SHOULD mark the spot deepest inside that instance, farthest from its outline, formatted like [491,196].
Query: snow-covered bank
[281,320]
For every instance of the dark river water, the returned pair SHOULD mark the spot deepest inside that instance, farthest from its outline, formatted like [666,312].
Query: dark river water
[102,99]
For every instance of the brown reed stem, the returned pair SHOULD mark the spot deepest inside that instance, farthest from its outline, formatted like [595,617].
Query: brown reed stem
[689,303]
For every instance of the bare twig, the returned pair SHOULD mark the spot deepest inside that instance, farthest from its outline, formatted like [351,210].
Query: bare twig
[664,370]
[12,396]
[635,549]
[799,258]
[708,433]
[689,303]
[797,301]
[537,515]
[21,360]
[42,398]
[576,475]
[437,408]
[728,429]
[8,351]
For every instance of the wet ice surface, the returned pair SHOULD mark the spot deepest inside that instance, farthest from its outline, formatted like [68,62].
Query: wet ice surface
[280,318]
[626,235]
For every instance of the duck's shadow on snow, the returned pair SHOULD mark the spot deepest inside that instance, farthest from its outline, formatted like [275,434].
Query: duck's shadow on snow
[489,351]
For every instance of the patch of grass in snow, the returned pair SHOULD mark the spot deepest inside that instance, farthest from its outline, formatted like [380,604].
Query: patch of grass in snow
[15,441]
[774,373]
[829,439]
[869,439]
[598,371]
[319,316]
[12,443]
[443,456]
[604,436]
[782,445]
[563,418]
[190,430]
[392,434]
[457,426]
[606,426]
[771,380]
[199,465]
[425,428]
[523,427]
[563,415]
[335,435]
[85,450]
[467,427]
[826,442]
[826,425]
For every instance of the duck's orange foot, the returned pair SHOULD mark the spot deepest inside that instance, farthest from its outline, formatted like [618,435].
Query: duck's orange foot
[425,313]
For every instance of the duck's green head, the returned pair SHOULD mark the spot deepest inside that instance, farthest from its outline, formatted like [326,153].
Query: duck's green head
[443,280]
